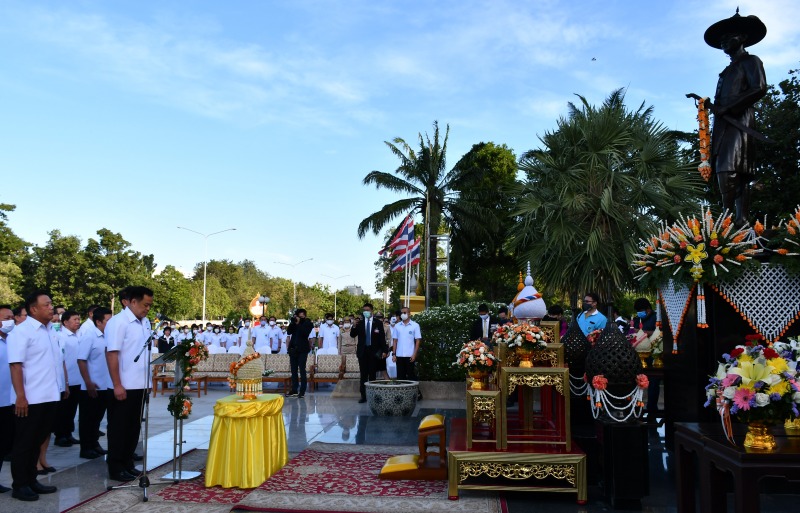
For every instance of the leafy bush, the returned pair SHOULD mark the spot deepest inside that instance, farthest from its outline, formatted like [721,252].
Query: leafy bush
[444,331]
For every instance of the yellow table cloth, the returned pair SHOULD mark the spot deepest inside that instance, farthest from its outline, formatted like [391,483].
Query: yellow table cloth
[248,441]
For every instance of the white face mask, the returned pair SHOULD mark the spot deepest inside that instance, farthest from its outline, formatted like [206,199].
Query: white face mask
[272,323]
[7,326]
[216,331]
[195,331]
[484,316]
[186,331]
[393,320]
[208,328]
[404,316]
[247,323]
[347,325]
[329,322]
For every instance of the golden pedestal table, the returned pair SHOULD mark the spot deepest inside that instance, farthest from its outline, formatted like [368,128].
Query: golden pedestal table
[248,441]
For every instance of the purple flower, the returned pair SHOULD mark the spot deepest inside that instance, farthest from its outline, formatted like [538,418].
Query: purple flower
[794,410]
[758,385]
[734,409]
[775,397]
[707,403]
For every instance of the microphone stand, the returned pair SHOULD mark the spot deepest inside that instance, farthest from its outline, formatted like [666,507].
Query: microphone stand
[144,479]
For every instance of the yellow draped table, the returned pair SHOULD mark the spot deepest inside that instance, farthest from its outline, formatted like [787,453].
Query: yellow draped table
[248,441]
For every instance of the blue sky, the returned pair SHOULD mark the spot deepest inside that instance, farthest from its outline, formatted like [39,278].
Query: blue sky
[140,116]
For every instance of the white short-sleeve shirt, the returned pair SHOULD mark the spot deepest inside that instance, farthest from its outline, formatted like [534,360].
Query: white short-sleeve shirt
[5,375]
[35,346]
[69,347]
[406,335]
[275,336]
[329,335]
[261,339]
[92,349]
[128,337]
[86,327]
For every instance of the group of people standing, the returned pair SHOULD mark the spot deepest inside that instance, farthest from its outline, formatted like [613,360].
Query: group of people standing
[51,365]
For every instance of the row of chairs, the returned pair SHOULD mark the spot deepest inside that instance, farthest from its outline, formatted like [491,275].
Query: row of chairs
[323,368]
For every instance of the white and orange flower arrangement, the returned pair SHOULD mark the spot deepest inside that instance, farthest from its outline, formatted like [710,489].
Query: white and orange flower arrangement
[190,354]
[521,335]
[475,355]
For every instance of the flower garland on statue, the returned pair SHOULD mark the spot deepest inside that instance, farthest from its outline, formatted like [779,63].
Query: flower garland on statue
[235,366]
[192,352]
[705,139]
[521,335]
[756,383]
[695,249]
[787,242]
[631,404]
[475,355]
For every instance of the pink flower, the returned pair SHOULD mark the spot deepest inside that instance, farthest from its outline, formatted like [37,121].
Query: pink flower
[742,398]
[599,382]
[642,381]
[729,380]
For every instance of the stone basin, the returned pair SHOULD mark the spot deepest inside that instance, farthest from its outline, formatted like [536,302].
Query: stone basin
[392,397]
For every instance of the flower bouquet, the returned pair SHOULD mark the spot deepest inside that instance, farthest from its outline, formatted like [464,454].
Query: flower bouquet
[758,385]
[191,353]
[526,338]
[478,359]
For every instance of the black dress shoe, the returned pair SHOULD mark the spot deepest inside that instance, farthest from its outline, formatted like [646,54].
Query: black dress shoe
[38,487]
[137,457]
[99,450]
[4,489]
[133,471]
[63,442]
[50,469]
[90,454]
[121,476]
[25,494]
[74,440]
[42,472]
[362,400]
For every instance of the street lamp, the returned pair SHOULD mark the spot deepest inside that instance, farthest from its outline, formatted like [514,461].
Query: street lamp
[205,259]
[294,284]
[335,291]
[264,300]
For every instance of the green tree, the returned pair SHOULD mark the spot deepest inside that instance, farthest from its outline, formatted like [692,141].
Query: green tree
[482,262]
[431,192]
[12,248]
[60,268]
[602,180]
[173,294]
[10,280]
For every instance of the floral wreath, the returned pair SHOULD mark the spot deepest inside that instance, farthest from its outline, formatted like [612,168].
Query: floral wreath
[235,366]
[191,353]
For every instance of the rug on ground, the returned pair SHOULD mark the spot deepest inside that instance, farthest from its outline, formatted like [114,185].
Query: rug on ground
[344,479]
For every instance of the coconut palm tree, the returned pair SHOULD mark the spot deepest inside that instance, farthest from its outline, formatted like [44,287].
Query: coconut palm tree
[603,179]
[430,191]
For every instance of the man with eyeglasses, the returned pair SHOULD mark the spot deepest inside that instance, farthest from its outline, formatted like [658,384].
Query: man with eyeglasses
[591,319]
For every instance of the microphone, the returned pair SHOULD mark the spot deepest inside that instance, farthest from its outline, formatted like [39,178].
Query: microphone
[162,317]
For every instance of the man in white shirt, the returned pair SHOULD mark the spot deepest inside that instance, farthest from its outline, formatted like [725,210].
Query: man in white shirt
[94,394]
[328,336]
[130,378]
[65,417]
[406,345]
[245,333]
[88,324]
[261,337]
[6,406]
[274,336]
[35,365]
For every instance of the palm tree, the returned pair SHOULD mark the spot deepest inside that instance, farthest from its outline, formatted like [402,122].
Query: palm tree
[604,178]
[430,190]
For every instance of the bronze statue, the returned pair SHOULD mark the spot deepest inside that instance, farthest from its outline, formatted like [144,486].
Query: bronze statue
[740,86]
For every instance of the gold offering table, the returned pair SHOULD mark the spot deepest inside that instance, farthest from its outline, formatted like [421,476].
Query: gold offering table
[248,441]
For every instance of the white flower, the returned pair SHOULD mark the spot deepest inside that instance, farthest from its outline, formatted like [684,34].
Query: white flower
[729,392]
[711,392]
[796,397]
[721,371]
[762,399]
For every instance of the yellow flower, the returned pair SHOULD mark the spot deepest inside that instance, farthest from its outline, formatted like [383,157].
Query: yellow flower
[781,388]
[753,372]
[778,365]
[696,253]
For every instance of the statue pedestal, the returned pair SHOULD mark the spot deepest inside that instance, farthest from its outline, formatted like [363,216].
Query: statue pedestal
[415,303]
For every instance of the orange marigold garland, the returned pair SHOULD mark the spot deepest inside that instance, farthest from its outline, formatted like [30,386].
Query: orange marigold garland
[705,139]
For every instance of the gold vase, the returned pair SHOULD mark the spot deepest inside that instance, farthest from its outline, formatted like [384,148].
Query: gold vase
[658,363]
[643,356]
[480,379]
[525,355]
[759,437]
[792,426]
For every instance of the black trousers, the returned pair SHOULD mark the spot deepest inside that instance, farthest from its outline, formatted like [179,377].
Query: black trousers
[64,424]
[92,411]
[6,432]
[297,362]
[405,368]
[29,434]
[368,367]
[124,426]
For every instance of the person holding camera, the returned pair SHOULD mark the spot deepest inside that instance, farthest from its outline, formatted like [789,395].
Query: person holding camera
[300,330]
[371,349]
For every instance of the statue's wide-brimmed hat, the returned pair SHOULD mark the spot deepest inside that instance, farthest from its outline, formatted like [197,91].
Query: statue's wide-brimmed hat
[749,26]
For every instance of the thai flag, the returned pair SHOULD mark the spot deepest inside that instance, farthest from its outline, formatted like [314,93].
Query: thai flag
[402,237]
[413,257]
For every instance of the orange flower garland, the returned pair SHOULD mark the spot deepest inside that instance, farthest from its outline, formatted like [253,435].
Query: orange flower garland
[705,139]
[235,366]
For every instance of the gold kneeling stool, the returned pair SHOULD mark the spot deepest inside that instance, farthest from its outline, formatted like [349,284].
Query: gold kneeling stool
[429,466]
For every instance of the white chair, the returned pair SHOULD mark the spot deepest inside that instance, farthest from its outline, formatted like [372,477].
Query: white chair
[215,349]
[236,349]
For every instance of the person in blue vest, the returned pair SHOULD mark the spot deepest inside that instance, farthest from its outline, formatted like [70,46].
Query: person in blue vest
[591,319]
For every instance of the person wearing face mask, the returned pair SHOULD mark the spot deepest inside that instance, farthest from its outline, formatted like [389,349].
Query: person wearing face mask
[329,336]
[371,348]
[556,313]
[275,336]
[55,321]
[217,337]
[245,333]
[481,328]
[348,343]
[300,330]
[591,319]
[205,336]
[261,336]
[646,321]
[166,341]
[6,406]
[65,418]
[502,316]
[406,345]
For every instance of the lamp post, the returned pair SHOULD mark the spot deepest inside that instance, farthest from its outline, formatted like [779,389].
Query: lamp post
[205,259]
[294,284]
[264,300]
[335,291]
